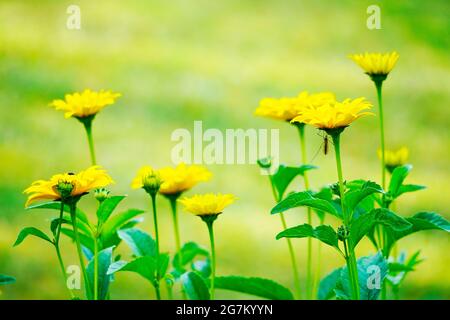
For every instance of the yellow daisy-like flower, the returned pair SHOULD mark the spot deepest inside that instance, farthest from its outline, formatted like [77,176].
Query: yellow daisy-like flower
[287,109]
[181,178]
[68,185]
[147,178]
[85,104]
[395,158]
[334,115]
[376,63]
[207,204]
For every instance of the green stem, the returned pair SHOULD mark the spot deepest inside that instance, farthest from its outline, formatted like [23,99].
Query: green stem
[293,259]
[88,127]
[289,243]
[213,256]
[318,264]
[351,259]
[95,268]
[58,251]
[155,222]
[378,85]
[73,216]
[309,277]
[176,231]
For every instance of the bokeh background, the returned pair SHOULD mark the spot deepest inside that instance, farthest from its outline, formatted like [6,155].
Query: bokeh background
[179,61]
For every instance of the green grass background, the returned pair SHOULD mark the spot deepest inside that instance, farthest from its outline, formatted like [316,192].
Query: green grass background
[180,61]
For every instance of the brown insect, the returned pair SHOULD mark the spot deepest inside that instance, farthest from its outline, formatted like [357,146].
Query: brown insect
[325,144]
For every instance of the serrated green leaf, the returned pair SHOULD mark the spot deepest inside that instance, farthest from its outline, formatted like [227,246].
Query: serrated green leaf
[107,207]
[189,251]
[4,279]
[144,266]
[356,195]
[195,286]
[31,231]
[141,243]
[118,221]
[365,223]
[419,222]
[104,279]
[304,199]
[259,287]
[324,233]
[328,284]
[284,176]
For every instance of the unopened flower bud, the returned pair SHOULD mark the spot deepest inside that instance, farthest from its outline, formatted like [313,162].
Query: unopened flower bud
[343,233]
[64,188]
[101,194]
[152,183]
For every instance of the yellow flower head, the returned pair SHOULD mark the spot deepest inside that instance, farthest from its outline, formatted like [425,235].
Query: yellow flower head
[395,158]
[376,63]
[68,185]
[147,178]
[182,178]
[333,115]
[85,104]
[207,204]
[288,108]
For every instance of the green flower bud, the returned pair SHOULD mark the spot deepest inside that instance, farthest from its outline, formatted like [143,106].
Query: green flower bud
[152,183]
[101,194]
[64,188]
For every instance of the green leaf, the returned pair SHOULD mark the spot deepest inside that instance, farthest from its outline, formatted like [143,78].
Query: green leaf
[119,221]
[188,252]
[4,279]
[304,199]
[328,284]
[419,222]
[86,241]
[104,262]
[141,243]
[56,222]
[409,188]
[144,266]
[284,176]
[33,232]
[324,233]
[355,196]
[195,286]
[107,207]
[56,205]
[203,267]
[259,287]
[398,176]
[372,270]
[365,223]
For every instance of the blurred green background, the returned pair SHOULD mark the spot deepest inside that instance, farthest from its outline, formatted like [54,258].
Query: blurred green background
[180,61]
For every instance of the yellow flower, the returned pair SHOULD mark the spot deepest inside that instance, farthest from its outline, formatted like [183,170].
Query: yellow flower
[395,158]
[207,204]
[333,115]
[288,108]
[147,178]
[181,178]
[376,63]
[68,185]
[85,104]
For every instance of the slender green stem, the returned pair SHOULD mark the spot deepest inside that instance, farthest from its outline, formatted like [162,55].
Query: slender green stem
[351,259]
[58,251]
[309,277]
[176,229]
[213,256]
[155,222]
[95,268]
[73,216]
[289,243]
[318,264]
[378,85]
[88,127]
